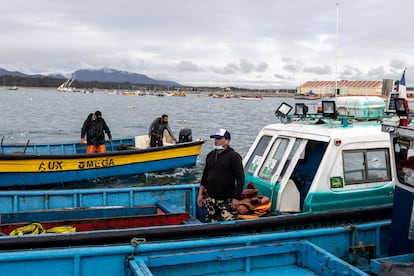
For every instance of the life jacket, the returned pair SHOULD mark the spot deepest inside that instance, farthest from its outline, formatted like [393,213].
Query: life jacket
[253,205]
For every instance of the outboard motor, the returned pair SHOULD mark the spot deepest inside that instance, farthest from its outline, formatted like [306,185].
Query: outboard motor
[185,135]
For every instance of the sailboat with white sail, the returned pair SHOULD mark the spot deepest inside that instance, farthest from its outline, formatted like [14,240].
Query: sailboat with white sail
[67,85]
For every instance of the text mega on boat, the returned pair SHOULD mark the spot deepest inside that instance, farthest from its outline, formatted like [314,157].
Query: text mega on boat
[43,164]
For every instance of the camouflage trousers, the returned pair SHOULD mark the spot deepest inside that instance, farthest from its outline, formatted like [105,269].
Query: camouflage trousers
[219,210]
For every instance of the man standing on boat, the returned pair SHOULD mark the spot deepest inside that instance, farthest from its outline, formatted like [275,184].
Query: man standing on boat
[222,180]
[94,128]
[156,131]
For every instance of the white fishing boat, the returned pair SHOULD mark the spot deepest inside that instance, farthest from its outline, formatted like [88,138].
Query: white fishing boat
[337,159]
[12,88]
[251,97]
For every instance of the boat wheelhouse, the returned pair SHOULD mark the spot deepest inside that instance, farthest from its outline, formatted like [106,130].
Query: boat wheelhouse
[337,159]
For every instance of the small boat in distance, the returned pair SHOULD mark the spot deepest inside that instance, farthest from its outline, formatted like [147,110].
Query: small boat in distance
[131,93]
[67,85]
[222,96]
[308,96]
[12,88]
[254,97]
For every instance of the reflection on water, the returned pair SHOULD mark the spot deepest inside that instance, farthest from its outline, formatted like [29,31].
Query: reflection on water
[46,116]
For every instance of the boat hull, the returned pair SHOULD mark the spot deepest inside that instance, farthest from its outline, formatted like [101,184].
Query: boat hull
[91,219]
[43,169]
[316,251]
[176,199]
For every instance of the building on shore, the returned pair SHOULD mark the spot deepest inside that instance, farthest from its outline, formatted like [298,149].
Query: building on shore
[348,88]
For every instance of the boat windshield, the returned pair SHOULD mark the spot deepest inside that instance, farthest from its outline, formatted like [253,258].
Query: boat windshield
[277,157]
[257,155]
[274,158]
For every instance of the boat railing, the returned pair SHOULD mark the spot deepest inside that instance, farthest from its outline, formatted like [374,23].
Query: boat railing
[340,119]
[332,112]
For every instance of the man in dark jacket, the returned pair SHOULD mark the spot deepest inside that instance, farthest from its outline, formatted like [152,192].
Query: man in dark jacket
[222,180]
[156,131]
[94,128]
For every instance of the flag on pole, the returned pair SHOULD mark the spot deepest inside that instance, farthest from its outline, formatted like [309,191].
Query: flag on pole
[401,87]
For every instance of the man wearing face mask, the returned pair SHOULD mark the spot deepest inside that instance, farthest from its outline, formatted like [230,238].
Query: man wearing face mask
[222,180]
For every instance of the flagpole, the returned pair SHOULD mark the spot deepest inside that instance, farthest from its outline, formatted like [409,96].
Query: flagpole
[336,55]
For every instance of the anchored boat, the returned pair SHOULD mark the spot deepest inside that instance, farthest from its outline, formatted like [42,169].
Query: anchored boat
[42,164]
[304,252]
[333,160]
[178,205]
[83,219]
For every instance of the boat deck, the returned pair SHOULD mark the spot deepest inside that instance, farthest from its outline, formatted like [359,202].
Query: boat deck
[290,258]
[93,218]
[61,148]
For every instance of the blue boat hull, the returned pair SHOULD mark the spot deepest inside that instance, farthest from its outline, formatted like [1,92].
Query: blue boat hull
[181,197]
[65,163]
[306,252]
[41,178]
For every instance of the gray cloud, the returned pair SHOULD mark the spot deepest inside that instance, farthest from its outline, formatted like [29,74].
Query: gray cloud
[318,70]
[187,66]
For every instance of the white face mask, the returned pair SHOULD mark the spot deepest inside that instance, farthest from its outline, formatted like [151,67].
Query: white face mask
[218,147]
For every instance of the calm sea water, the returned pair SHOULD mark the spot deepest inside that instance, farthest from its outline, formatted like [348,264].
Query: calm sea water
[44,116]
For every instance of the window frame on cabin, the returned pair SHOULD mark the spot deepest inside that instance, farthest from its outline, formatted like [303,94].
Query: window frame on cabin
[363,166]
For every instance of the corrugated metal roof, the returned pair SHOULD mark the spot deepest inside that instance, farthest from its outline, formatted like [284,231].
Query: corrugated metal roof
[344,83]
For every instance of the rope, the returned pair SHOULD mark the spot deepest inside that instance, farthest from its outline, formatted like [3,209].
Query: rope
[135,242]
[36,228]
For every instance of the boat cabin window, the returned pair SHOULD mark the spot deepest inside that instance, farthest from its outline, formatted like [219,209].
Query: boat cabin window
[404,160]
[257,156]
[291,154]
[364,166]
[272,162]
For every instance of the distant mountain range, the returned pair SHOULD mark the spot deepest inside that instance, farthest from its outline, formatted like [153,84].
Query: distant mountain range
[100,75]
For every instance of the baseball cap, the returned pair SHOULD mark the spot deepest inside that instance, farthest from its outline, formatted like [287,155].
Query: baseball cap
[221,133]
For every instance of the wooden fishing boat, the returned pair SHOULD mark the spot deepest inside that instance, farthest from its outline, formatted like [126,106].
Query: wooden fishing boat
[90,219]
[176,200]
[41,164]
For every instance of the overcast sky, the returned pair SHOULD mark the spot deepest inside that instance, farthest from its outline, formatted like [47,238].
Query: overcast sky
[244,43]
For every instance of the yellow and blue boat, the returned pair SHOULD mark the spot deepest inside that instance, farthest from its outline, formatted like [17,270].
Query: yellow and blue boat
[42,164]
